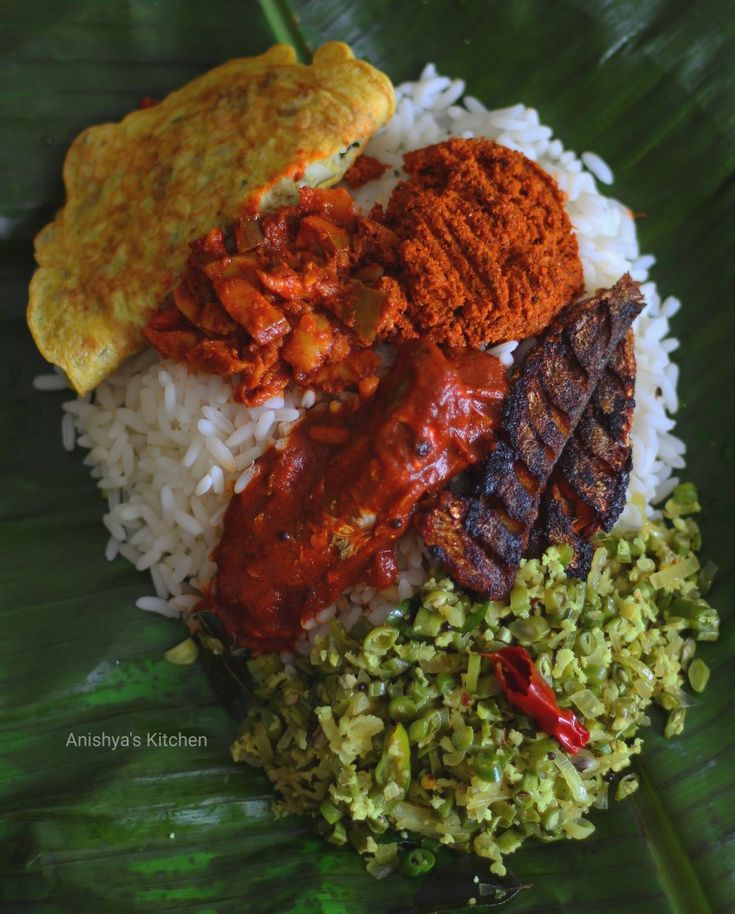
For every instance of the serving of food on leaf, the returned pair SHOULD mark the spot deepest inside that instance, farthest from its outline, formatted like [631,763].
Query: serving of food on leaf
[404,444]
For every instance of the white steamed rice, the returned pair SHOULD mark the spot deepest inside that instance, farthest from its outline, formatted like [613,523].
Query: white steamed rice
[168,447]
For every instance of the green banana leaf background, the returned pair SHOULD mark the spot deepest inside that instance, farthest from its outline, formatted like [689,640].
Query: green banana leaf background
[648,85]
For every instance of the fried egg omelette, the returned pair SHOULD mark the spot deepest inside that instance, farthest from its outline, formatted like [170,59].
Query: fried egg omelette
[238,139]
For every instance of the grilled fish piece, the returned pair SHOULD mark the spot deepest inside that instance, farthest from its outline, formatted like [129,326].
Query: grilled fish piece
[587,489]
[481,538]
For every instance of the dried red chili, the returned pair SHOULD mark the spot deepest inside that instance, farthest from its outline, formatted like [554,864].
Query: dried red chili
[526,690]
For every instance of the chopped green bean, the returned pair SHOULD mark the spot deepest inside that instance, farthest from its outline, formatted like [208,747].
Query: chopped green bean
[427,622]
[627,785]
[404,729]
[462,738]
[551,820]
[380,640]
[475,618]
[685,495]
[519,600]
[425,728]
[445,682]
[529,630]
[338,835]
[417,862]
[706,577]
[488,767]
[330,812]
[402,708]
[474,662]
[675,723]
[698,674]
[394,766]
[184,653]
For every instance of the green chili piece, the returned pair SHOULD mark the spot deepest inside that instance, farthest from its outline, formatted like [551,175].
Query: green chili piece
[452,759]
[417,862]
[698,674]
[554,599]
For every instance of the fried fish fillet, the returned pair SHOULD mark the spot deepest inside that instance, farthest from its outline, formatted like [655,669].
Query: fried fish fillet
[481,538]
[237,139]
[586,492]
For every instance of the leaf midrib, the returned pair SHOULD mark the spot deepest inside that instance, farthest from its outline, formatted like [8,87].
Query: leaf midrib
[677,875]
[282,23]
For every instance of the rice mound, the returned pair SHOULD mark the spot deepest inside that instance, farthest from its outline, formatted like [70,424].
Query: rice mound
[168,447]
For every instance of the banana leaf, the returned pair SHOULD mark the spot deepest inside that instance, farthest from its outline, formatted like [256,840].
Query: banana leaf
[151,828]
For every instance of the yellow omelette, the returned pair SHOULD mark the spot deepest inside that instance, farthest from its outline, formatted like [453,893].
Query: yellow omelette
[238,139]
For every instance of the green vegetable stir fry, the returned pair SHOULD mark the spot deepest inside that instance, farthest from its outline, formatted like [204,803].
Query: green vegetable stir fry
[400,739]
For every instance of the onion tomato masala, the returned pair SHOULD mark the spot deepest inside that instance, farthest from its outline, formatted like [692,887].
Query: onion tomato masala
[297,294]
